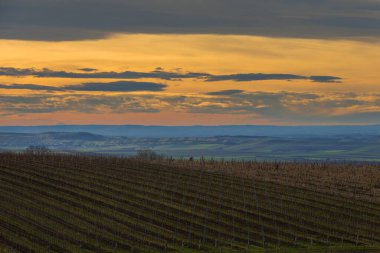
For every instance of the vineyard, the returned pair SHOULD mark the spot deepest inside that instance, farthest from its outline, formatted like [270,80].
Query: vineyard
[72,203]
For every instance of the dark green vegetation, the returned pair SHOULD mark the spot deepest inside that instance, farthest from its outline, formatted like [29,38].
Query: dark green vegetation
[61,203]
[337,147]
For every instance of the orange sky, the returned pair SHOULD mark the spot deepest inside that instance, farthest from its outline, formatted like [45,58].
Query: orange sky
[353,100]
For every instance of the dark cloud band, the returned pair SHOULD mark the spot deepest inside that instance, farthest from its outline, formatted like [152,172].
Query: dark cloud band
[225,92]
[5,71]
[90,19]
[263,77]
[120,86]
[161,74]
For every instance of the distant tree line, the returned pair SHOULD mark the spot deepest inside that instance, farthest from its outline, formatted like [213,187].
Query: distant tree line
[37,150]
[148,154]
[151,155]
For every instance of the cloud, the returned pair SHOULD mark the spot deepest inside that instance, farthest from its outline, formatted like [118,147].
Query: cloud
[325,79]
[254,77]
[33,104]
[225,92]
[119,86]
[288,107]
[6,71]
[161,74]
[91,19]
[88,69]
[45,73]
[291,107]
[35,87]
[263,77]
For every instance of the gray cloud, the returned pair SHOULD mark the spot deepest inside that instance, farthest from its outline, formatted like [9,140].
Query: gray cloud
[254,77]
[165,75]
[225,92]
[5,71]
[91,19]
[29,87]
[325,79]
[263,77]
[88,69]
[120,86]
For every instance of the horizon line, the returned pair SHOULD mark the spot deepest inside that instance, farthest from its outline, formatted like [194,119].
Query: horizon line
[197,125]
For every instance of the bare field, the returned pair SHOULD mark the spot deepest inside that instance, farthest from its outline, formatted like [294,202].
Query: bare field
[353,180]
[72,203]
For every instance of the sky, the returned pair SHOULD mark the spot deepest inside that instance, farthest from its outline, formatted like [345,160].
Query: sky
[189,62]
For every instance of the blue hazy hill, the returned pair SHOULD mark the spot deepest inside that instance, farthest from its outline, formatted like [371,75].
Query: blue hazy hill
[200,131]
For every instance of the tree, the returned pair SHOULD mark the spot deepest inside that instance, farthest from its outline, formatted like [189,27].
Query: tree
[148,154]
[37,150]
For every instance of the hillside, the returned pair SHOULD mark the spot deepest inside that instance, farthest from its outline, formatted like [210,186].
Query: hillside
[62,203]
[342,147]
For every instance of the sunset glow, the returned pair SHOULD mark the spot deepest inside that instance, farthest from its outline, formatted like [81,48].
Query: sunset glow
[239,79]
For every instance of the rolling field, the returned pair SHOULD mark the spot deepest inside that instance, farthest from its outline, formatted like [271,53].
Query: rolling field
[66,203]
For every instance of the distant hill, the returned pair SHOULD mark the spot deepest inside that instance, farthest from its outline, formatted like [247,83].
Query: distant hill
[200,131]
[82,136]
[338,147]
[56,140]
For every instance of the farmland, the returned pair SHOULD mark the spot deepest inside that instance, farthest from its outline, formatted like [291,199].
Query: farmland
[72,203]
